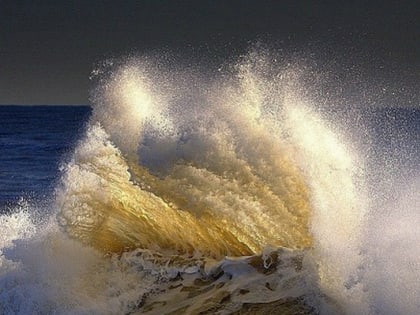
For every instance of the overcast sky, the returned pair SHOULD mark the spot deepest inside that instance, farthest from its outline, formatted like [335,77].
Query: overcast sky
[48,48]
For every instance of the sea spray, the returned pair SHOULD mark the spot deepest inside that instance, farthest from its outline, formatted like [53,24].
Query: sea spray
[226,177]
[254,167]
[233,192]
[340,207]
[392,244]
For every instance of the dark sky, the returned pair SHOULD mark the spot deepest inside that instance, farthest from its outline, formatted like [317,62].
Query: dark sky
[48,48]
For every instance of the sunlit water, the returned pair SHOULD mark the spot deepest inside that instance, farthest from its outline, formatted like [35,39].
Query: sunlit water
[185,195]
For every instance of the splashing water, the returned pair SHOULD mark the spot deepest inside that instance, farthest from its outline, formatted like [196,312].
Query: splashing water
[226,178]
[176,172]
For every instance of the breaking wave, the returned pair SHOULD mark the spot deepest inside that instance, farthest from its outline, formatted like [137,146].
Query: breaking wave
[193,194]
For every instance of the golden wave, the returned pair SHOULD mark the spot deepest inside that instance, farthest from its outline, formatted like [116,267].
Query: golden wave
[215,211]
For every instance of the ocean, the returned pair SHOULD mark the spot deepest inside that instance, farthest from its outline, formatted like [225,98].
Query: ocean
[239,194]
[34,141]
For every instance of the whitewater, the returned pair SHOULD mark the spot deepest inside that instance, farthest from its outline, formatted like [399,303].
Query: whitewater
[234,192]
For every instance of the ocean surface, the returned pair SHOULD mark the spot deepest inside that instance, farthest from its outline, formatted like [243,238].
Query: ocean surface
[34,141]
[170,194]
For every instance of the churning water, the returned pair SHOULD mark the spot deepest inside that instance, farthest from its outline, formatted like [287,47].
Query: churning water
[228,193]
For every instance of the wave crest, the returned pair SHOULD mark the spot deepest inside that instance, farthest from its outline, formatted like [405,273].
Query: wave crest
[217,177]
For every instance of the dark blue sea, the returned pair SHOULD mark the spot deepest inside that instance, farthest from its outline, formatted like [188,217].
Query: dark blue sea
[34,140]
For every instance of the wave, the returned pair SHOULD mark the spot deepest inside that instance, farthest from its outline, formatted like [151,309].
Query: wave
[189,192]
[231,169]
[243,165]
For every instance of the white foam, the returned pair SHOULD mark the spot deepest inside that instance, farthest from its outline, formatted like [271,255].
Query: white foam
[392,242]
[15,226]
[42,271]
[339,204]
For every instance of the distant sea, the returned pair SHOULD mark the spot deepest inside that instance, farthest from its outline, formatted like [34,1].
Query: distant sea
[34,140]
